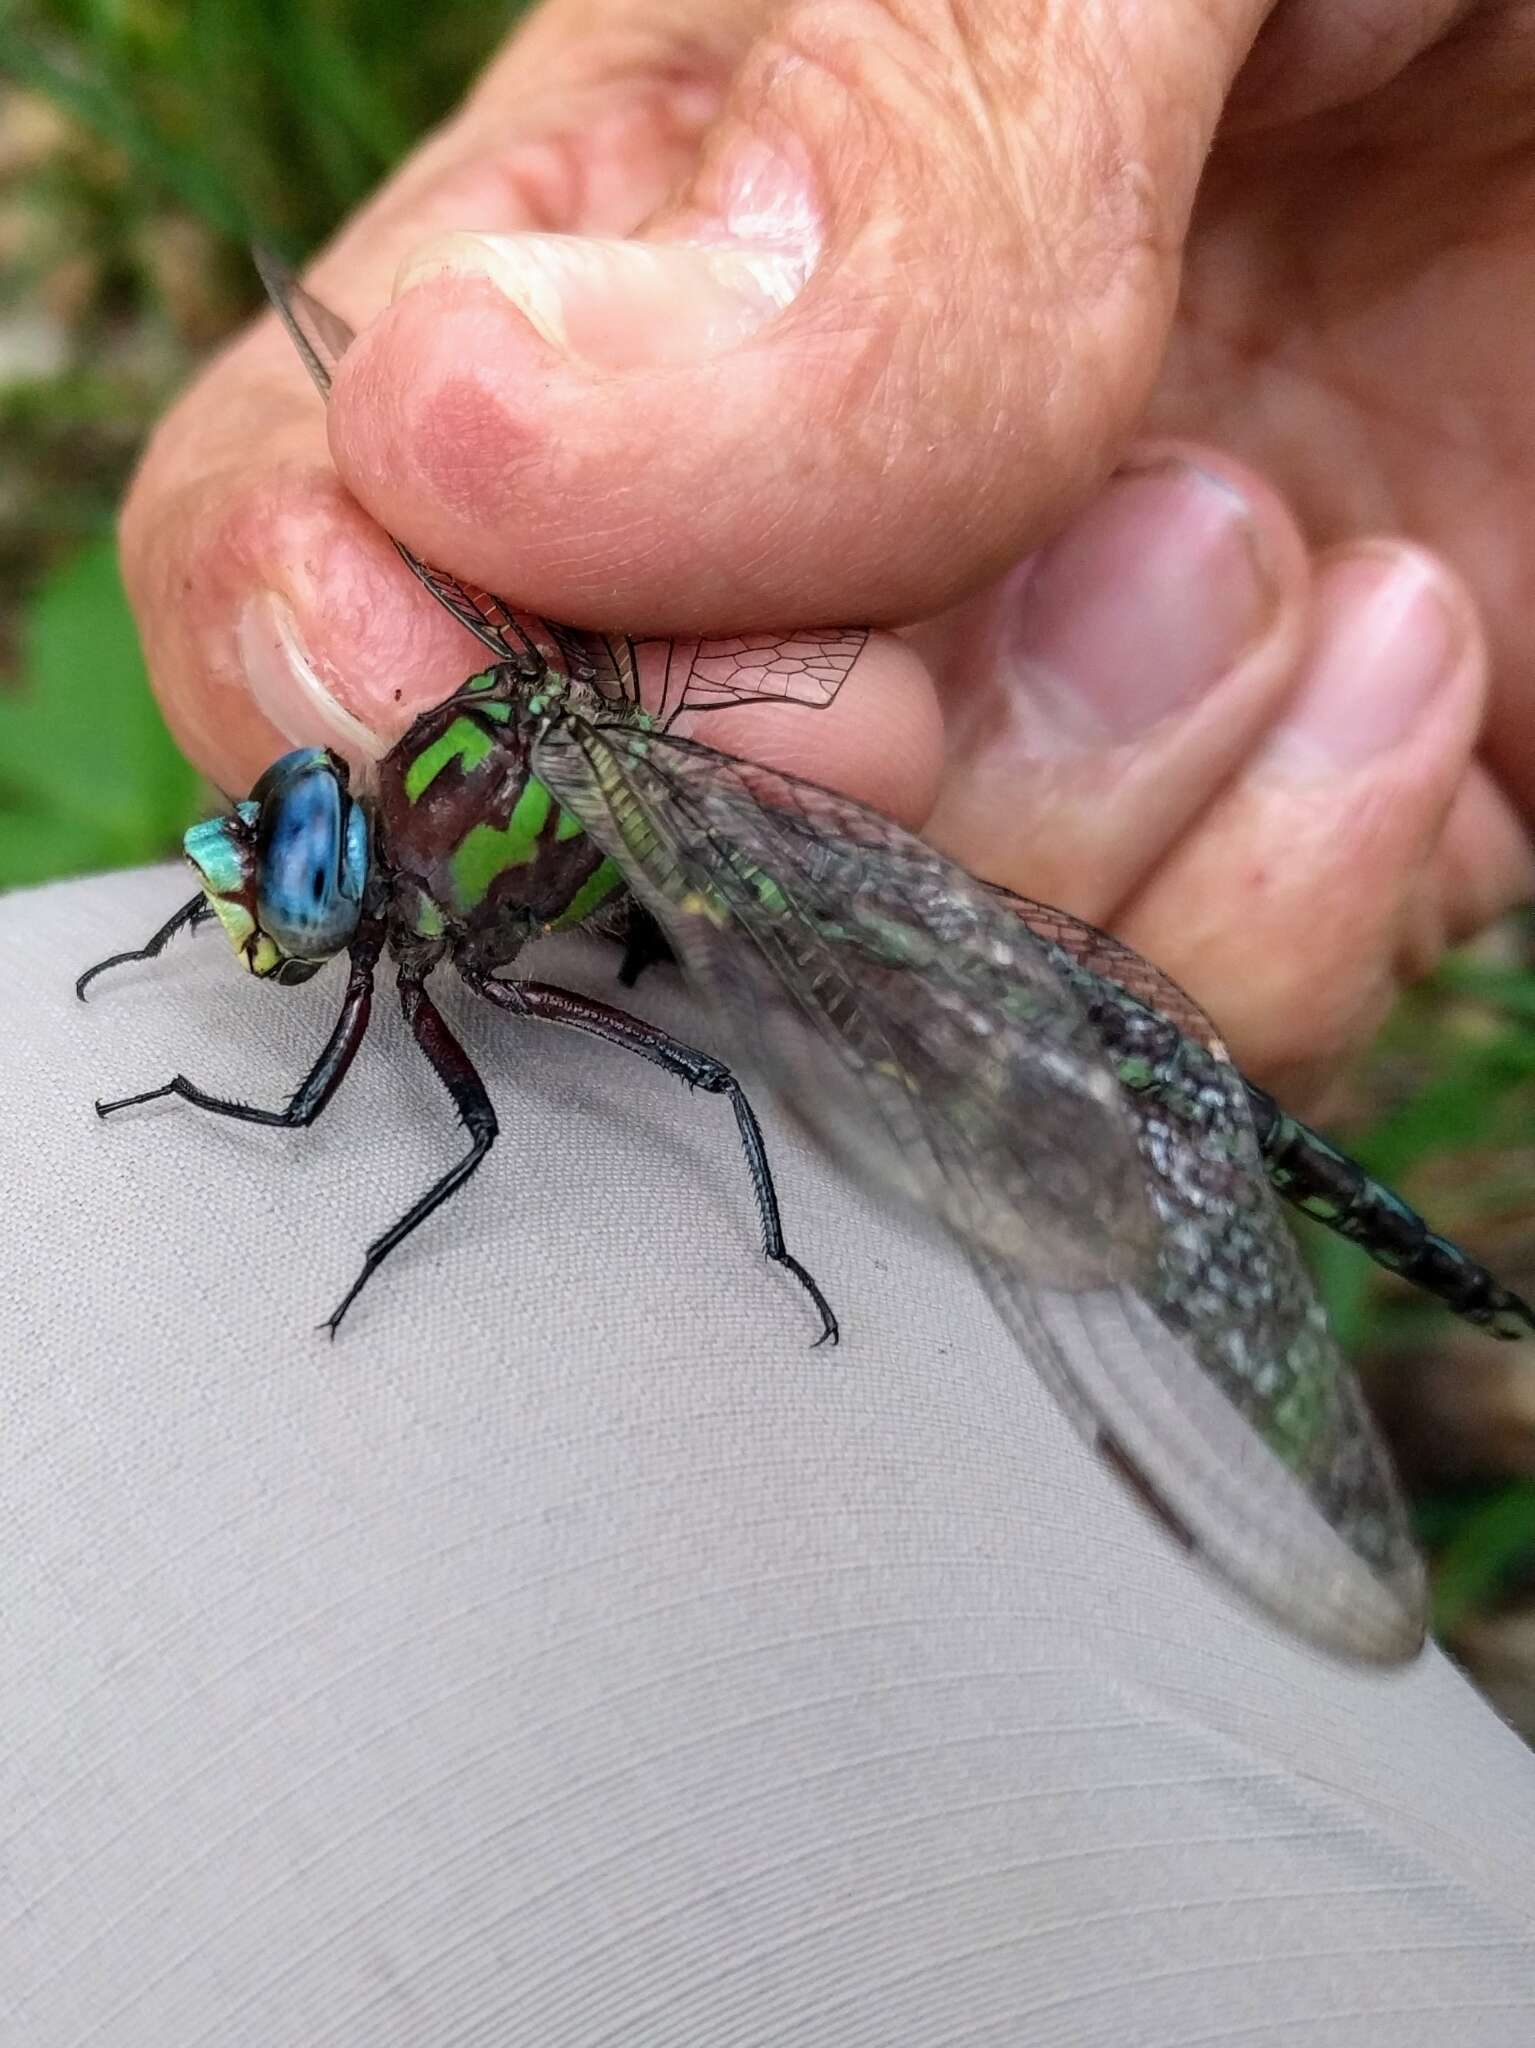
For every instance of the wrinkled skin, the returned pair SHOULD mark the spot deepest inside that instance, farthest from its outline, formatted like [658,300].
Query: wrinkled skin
[921,278]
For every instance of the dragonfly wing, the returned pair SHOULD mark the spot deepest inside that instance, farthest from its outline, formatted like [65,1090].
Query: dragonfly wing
[321,337]
[1320,1541]
[1251,1400]
[1029,1149]
[606,661]
[667,677]
[1112,960]
[922,1030]
[1232,1277]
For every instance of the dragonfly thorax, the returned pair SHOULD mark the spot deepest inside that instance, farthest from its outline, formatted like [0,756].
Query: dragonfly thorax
[286,870]
[478,855]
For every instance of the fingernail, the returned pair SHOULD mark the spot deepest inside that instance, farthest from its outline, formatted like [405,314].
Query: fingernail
[623,305]
[286,688]
[1144,604]
[1386,635]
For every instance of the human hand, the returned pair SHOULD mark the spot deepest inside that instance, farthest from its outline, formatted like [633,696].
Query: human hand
[906,286]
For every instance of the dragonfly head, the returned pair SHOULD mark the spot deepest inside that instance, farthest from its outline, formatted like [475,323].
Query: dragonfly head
[285,871]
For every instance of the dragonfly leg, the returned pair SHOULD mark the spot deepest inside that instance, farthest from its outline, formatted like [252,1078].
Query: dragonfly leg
[317,1087]
[699,1069]
[456,1072]
[187,918]
[644,945]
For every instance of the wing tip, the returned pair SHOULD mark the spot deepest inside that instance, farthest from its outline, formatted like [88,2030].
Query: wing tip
[1356,1590]
[275,275]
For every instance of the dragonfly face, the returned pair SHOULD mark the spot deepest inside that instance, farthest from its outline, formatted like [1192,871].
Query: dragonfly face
[285,871]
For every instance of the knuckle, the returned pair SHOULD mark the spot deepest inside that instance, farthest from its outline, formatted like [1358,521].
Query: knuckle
[1004,230]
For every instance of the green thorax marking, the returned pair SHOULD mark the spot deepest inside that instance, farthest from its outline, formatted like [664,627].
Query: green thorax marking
[487,851]
[465,740]
[600,883]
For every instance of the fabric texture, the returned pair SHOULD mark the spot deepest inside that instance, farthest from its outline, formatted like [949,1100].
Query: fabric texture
[570,1655]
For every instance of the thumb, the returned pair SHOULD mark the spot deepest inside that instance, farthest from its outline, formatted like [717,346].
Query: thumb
[902,315]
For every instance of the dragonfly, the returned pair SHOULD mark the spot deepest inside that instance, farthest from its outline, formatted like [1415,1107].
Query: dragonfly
[1026,1082]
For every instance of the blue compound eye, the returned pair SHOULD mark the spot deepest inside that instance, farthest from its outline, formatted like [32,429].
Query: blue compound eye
[311,856]
[286,870]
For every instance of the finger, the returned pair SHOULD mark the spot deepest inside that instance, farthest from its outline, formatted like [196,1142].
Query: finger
[894,324]
[277,614]
[1314,55]
[272,610]
[1100,695]
[1484,867]
[1355,842]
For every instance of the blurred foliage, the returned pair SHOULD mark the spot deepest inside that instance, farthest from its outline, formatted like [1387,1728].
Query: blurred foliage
[142,144]
[88,776]
[244,115]
[1444,1110]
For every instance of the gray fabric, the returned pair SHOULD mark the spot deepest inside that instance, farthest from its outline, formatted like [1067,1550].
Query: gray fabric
[571,1655]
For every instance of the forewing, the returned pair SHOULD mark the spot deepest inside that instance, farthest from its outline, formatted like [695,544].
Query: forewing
[322,338]
[667,677]
[924,1030]
[982,1092]
[1286,1452]
[1112,960]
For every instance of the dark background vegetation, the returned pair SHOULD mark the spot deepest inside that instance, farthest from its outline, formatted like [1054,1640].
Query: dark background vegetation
[142,144]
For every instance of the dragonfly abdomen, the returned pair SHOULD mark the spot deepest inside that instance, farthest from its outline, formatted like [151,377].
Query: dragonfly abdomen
[1326,1184]
[1154,1057]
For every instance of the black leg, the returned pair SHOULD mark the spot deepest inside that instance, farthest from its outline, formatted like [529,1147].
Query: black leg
[323,1079]
[187,918]
[458,1076]
[699,1069]
[644,945]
